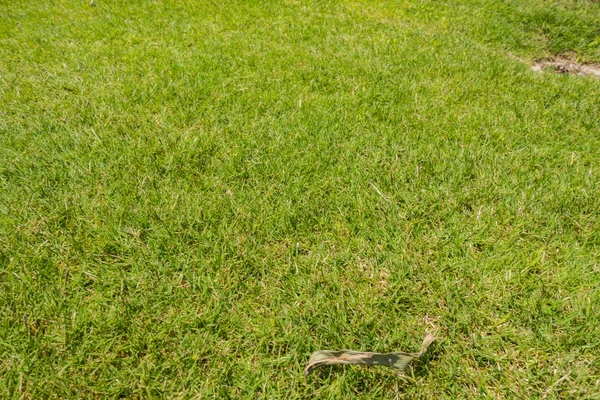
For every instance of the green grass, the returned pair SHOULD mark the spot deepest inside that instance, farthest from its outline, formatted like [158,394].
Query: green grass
[188,203]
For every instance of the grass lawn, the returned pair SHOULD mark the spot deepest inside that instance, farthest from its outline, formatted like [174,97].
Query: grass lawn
[196,195]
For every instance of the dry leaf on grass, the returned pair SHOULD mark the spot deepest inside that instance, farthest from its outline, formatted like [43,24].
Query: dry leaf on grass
[398,360]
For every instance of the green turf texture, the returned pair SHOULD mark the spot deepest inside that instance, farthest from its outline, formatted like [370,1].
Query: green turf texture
[196,195]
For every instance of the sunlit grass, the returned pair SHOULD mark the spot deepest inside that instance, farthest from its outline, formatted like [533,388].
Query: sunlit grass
[195,196]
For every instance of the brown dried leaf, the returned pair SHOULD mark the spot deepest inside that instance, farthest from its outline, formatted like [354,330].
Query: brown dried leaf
[398,360]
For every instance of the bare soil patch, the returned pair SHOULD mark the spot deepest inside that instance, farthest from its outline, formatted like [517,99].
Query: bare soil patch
[561,65]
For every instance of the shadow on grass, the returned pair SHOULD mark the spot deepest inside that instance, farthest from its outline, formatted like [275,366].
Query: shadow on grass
[420,366]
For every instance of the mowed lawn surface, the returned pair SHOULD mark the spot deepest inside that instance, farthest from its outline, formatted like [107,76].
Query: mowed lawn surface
[196,195]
